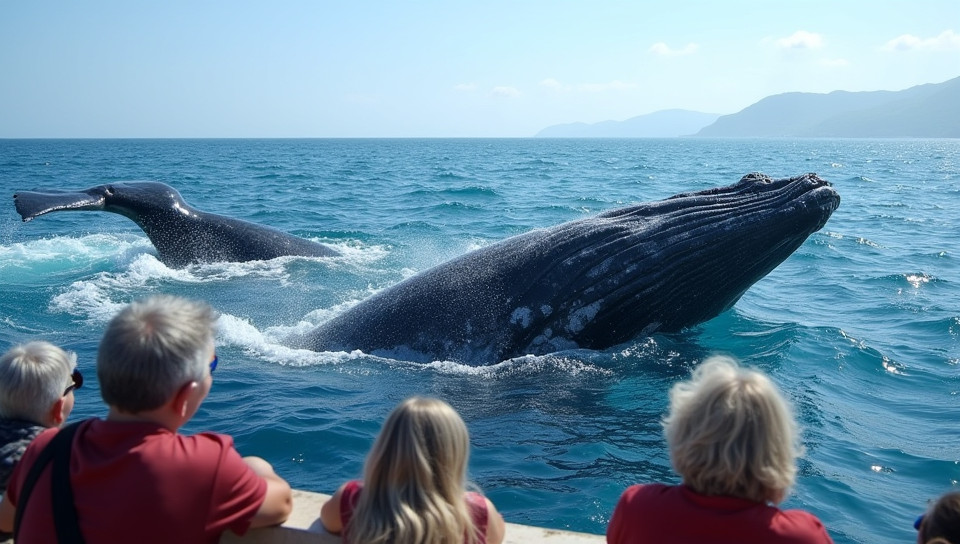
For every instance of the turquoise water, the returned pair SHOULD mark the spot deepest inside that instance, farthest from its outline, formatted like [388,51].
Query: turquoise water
[860,327]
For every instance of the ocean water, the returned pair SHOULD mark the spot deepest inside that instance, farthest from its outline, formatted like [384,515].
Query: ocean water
[860,327]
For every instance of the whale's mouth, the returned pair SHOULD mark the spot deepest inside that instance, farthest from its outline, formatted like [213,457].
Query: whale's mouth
[32,204]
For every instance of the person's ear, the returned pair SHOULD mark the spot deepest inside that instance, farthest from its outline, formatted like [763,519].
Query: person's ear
[185,398]
[56,414]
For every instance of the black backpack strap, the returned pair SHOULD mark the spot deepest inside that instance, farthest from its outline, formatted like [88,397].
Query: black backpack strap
[64,509]
[58,451]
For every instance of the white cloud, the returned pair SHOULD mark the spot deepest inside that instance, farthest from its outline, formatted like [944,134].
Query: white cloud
[946,41]
[465,87]
[801,39]
[664,50]
[551,83]
[508,92]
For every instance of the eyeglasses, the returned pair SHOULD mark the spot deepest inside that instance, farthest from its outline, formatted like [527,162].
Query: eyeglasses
[919,522]
[213,363]
[77,378]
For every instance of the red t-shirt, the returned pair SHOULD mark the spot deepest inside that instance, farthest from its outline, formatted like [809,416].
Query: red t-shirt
[140,482]
[476,505]
[657,513]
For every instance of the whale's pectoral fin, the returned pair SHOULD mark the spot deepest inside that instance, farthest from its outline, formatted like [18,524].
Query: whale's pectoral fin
[31,204]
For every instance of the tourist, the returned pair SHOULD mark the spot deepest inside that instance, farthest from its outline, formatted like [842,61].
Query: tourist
[133,477]
[733,439]
[941,523]
[37,380]
[414,485]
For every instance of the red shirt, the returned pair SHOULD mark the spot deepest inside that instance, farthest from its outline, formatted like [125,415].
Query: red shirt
[657,513]
[476,505]
[140,482]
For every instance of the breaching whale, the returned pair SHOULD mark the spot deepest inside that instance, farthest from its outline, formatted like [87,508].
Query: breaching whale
[592,283]
[181,234]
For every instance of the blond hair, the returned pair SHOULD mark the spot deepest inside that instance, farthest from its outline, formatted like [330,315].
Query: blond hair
[730,432]
[415,479]
[33,376]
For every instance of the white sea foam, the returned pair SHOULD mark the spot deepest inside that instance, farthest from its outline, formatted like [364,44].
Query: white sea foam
[135,270]
[267,344]
[532,364]
[64,252]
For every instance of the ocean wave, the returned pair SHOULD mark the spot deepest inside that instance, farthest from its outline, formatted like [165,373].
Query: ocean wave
[269,344]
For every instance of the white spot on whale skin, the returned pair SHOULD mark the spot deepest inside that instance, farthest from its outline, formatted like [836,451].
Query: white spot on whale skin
[546,310]
[521,316]
[580,318]
[601,269]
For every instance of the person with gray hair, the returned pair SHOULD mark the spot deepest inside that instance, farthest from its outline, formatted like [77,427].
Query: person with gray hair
[37,380]
[134,477]
[733,439]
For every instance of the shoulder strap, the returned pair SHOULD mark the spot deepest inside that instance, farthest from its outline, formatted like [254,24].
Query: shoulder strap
[64,509]
[58,450]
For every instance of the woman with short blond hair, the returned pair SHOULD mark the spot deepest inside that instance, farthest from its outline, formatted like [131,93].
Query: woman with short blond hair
[414,485]
[733,439]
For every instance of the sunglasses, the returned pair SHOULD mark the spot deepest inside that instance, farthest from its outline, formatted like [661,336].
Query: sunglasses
[213,363]
[77,378]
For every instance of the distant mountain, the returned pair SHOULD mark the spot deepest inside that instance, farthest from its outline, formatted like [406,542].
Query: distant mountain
[659,124]
[924,111]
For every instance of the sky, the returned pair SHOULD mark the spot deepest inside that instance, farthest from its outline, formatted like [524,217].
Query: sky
[449,68]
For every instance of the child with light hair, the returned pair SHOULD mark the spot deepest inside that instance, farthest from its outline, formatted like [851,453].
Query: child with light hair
[37,380]
[733,439]
[414,485]
[133,476]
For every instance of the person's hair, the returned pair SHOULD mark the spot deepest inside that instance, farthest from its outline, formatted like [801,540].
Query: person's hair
[941,524]
[151,349]
[415,479]
[33,376]
[731,432]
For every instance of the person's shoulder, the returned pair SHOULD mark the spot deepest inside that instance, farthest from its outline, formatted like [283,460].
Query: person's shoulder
[206,440]
[478,504]
[205,448]
[802,522]
[800,516]
[647,491]
[351,488]
[41,440]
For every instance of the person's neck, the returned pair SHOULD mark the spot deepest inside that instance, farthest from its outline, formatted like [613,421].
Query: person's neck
[158,416]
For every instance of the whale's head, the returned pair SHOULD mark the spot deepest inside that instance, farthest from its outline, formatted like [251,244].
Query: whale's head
[667,265]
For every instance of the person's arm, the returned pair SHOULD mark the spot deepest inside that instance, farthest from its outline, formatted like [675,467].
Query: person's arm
[330,513]
[496,528]
[278,502]
[7,512]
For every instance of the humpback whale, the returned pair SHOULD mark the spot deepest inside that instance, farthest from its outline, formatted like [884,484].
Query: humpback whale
[592,283]
[180,233]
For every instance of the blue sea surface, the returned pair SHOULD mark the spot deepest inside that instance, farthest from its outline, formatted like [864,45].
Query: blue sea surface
[860,327]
